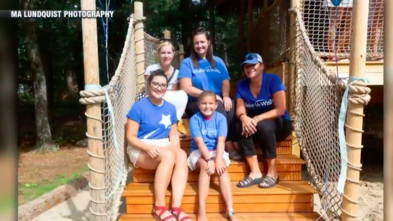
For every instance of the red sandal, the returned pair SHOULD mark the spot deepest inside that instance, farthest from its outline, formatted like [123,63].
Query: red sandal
[163,210]
[176,211]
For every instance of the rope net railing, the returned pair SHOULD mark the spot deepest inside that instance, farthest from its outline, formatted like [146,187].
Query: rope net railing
[316,95]
[116,99]
[301,36]
[121,96]
[315,106]
[329,28]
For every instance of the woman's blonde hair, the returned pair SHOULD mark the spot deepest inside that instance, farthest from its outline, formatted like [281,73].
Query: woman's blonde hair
[163,44]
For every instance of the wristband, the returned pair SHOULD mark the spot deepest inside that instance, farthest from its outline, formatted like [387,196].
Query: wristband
[210,159]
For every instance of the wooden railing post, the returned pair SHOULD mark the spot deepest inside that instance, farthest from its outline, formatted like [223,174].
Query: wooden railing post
[388,111]
[181,53]
[293,58]
[167,34]
[93,112]
[139,45]
[354,124]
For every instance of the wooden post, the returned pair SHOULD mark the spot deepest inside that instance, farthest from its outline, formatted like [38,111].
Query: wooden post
[250,23]
[181,53]
[354,122]
[139,45]
[94,126]
[388,111]
[293,58]
[167,35]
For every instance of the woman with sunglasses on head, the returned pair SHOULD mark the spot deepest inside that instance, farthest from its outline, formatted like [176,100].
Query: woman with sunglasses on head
[166,52]
[203,71]
[154,145]
[260,106]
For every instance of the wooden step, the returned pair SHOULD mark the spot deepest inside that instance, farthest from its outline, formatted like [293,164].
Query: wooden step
[288,166]
[283,147]
[289,196]
[240,216]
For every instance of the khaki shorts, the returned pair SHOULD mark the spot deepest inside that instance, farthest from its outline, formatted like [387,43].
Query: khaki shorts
[134,152]
[196,154]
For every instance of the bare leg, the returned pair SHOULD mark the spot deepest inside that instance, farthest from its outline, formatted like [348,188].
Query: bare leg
[226,191]
[228,146]
[203,189]
[179,177]
[376,31]
[255,171]
[345,35]
[236,146]
[233,149]
[334,24]
[163,164]
[179,180]
[271,170]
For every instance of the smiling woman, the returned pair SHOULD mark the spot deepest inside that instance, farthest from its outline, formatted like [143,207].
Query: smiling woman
[154,145]
[262,113]
[166,52]
[203,71]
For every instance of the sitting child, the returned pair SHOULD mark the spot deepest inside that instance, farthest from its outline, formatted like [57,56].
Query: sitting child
[208,131]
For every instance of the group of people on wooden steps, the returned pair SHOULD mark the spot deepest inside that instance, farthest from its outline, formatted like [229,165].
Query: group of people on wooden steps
[220,128]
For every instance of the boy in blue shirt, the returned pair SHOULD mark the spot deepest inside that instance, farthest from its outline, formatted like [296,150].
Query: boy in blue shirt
[208,132]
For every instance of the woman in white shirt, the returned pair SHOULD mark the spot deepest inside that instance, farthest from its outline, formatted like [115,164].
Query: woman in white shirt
[166,52]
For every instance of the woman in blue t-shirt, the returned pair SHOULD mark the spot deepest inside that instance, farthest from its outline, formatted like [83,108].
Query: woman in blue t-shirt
[203,71]
[261,109]
[154,145]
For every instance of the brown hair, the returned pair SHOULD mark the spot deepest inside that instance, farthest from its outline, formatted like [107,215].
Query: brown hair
[206,94]
[209,53]
[156,73]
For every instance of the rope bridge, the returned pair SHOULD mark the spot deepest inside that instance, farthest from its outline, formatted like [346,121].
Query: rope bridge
[315,96]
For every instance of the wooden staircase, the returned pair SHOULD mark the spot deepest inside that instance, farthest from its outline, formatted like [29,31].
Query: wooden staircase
[291,199]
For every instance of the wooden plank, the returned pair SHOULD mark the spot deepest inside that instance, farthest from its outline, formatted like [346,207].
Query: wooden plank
[185,142]
[240,208]
[240,167]
[373,71]
[285,187]
[295,145]
[294,198]
[283,162]
[240,216]
[280,150]
[235,177]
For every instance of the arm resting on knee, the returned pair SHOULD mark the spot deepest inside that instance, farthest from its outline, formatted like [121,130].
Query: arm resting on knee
[240,108]
[220,147]
[202,147]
